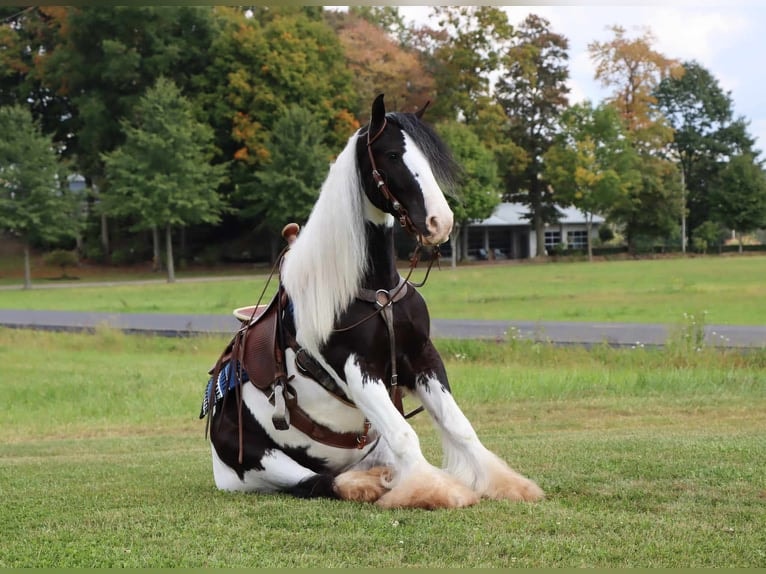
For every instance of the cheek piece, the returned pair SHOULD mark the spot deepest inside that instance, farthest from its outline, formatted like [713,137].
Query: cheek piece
[401,213]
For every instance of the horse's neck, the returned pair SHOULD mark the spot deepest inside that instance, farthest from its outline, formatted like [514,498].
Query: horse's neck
[381,268]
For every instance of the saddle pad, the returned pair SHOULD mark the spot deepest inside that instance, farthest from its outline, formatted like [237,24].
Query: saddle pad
[227,380]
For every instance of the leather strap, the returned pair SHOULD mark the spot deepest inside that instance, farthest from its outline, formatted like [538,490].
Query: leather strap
[309,366]
[380,182]
[385,301]
[397,293]
[320,433]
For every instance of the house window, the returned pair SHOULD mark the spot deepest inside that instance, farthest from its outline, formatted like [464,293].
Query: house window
[552,239]
[577,239]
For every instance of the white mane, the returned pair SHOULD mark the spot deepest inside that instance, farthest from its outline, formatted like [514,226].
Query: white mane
[324,267]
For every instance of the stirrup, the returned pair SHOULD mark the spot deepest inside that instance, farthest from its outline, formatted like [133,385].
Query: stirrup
[281,417]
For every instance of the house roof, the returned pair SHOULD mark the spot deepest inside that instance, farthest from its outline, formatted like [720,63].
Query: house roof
[506,214]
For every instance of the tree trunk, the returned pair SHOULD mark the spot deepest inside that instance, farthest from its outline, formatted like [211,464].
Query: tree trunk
[105,235]
[95,185]
[739,235]
[184,256]
[454,243]
[539,234]
[27,268]
[589,228]
[463,251]
[630,239]
[169,254]
[157,256]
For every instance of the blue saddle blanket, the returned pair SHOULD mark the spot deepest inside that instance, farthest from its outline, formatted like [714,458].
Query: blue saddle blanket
[227,380]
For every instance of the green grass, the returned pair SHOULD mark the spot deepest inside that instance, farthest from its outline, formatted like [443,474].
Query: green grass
[648,458]
[643,291]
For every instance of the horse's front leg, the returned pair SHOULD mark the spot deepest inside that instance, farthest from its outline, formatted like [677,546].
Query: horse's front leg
[413,482]
[465,457]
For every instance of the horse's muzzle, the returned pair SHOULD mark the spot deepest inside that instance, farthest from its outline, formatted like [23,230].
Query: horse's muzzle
[439,229]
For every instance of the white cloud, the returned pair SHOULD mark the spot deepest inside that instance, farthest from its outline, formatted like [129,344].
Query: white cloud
[699,35]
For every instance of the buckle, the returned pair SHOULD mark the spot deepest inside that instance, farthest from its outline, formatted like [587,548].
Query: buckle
[361,440]
[382,297]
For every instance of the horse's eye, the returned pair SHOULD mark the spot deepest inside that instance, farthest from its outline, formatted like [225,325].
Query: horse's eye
[393,156]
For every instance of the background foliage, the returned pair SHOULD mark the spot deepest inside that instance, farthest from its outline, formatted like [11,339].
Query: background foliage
[82,71]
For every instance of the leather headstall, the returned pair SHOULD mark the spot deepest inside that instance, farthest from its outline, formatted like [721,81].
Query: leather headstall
[404,218]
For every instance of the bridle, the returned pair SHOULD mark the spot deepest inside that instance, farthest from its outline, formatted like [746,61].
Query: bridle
[404,217]
[401,212]
[408,225]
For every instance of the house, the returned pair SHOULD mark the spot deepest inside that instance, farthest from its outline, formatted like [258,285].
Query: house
[507,234]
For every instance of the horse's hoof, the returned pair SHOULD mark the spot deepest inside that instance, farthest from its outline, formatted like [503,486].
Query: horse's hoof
[431,491]
[362,485]
[520,490]
[507,484]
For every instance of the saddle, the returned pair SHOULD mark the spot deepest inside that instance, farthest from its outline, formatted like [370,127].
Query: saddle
[257,348]
[254,345]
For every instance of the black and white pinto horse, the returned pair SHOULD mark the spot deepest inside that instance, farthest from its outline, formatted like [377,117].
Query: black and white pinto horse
[341,282]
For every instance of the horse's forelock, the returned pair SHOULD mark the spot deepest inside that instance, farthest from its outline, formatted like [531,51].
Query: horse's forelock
[445,168]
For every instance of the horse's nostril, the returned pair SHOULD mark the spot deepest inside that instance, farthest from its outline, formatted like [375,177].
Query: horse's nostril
[433,223]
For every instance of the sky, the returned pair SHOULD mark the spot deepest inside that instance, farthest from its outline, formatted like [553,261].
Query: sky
[727,38]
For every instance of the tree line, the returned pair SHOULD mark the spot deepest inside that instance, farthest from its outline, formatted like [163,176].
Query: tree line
[210,127]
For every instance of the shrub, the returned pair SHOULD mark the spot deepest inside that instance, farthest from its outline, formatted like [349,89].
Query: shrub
[605,233]
[62,258]
[706,236]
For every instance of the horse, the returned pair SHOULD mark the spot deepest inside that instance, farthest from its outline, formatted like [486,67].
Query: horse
[351,337]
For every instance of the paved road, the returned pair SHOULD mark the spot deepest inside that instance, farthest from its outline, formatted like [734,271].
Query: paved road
[617,334]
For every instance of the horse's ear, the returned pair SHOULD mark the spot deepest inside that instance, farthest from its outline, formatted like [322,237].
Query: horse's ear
[378,115]
[422,110]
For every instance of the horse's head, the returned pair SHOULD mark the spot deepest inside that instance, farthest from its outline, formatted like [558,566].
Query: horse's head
[403,165]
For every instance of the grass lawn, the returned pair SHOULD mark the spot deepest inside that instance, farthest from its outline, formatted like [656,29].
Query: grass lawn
[728,288]
[648,458]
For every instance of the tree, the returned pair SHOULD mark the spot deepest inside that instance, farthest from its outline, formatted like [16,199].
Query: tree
[35,203]
[162,175]
[591,165]
[480,185]
[281,56]
[386,18]
[652,206]
[705,133]
[533,94]
[739,195]
[288,186]
[462,54]
[632,68]
[26,35]
[105,58]
[379,64]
